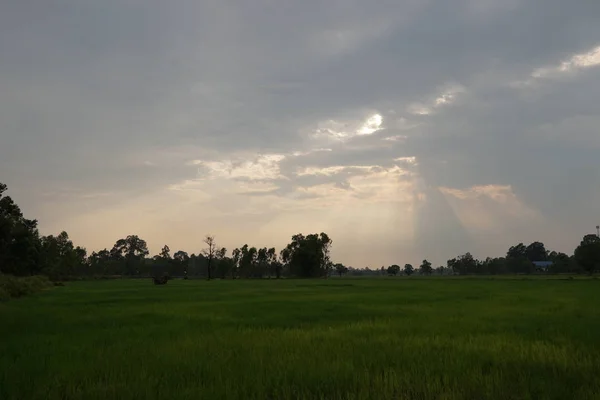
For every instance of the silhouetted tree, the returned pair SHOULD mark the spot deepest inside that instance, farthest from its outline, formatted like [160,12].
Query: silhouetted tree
[308,256]
[425,268]
[209,252]
[340,269]
[132,251]
[393,269]
[536,251]
[587,254]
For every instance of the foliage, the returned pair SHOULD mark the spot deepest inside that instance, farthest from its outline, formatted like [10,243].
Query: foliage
[340,269]
[587,253]
[393,269]
[160,280]
[308,256]
[24,252]
[425,268]
[14,287]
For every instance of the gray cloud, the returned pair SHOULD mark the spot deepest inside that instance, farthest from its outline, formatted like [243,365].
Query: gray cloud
[102,104]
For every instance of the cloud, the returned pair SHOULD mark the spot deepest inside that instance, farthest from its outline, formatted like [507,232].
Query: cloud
[406,129]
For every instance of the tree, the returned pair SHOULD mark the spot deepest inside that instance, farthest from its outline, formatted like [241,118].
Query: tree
[561,263]
[517,251]
[587,254]
[463,265]
[308,256]
[182,261]
[19,239]
[248,261]
[223,263]
[209,252]
[262,258]
[408,269]
[236,256]
[393,269]
[536,251]
[132,251]
[340,269]
[165,253]
[517,259]
[425,268]
[60,259]
[272,262]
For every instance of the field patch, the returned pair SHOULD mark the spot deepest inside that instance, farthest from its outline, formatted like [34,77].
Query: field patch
[395,338]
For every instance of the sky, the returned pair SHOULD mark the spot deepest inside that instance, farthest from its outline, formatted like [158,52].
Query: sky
[404,129]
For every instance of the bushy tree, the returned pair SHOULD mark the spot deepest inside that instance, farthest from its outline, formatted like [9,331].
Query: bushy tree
[308,256]
[131,252]
[340,269]
[393,269]
[587,254]
[463,265]
[19,239]
[425,268]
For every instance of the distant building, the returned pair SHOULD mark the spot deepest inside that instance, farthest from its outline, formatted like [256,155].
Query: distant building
[542,265]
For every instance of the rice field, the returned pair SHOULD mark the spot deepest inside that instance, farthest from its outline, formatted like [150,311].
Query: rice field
[342,338]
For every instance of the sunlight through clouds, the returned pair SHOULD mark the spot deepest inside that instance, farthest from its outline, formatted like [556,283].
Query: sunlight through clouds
[378,121]
[259,168]
[372,125]
[338,130]
[446,97]
[488,207]
[576,62]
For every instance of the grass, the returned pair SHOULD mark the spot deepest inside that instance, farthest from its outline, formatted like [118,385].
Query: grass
[393,338]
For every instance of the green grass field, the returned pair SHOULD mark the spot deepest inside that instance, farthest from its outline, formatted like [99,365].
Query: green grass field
[393,338]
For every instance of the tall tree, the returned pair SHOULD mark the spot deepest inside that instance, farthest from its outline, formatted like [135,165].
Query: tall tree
[536,251]
[236,256]
[408,269]
[19,239]
[182,261]
[222,263]
[587,254]
[517,251]
[463,265]
[165,253]
[209,252]
[308,256]
[248,261]
[393,269]
[132,250]
[425,268]
[262,259]
[60,258]
[272,262]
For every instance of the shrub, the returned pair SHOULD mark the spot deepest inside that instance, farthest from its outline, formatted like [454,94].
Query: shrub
[160,280]
[13,287]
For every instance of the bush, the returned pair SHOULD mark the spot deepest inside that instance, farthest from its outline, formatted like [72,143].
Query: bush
[161,280]
[13,287]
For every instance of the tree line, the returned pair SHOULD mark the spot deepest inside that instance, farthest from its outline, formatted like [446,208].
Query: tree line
[24,252]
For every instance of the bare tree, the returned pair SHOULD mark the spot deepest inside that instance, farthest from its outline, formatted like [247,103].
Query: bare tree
[209,252]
